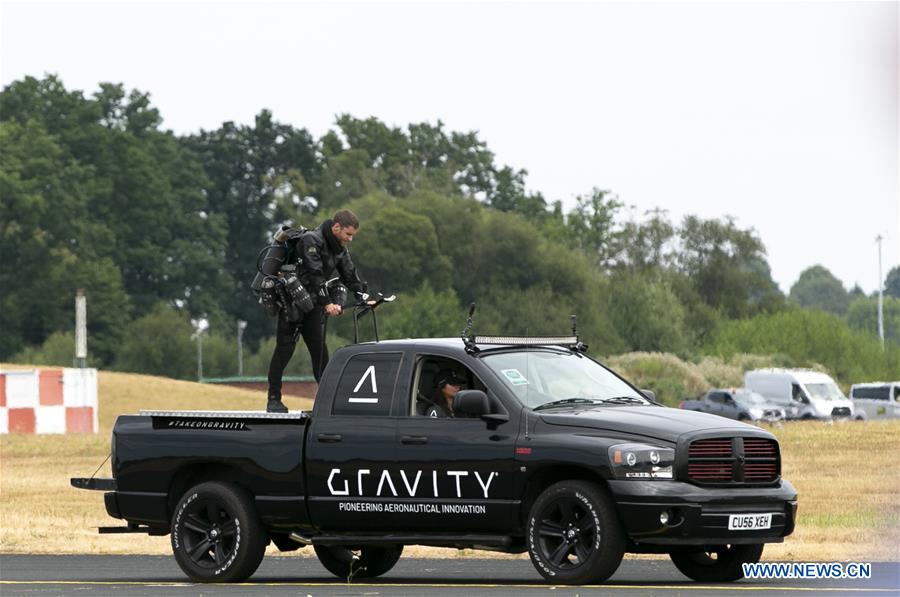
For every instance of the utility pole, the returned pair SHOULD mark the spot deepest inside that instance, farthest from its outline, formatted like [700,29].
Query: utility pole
[241,326]
[878,240]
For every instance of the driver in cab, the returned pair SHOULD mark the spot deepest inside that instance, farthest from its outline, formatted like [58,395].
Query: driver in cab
[447,384]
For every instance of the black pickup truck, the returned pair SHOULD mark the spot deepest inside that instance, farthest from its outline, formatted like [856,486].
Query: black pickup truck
[548,452]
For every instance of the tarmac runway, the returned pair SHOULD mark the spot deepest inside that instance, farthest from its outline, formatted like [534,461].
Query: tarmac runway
[84,575]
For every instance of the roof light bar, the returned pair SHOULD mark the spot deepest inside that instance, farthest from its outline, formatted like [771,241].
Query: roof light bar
[528,340]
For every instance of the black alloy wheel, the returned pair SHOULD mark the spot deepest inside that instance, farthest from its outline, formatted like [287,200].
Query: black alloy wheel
[216,534]
[574,536]
[722,563]
[367,561]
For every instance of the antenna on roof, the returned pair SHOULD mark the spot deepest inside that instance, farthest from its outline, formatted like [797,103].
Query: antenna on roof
[579,345]
[468,338]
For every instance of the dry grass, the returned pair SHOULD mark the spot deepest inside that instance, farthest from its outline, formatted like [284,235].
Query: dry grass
[847,475]
[42,513]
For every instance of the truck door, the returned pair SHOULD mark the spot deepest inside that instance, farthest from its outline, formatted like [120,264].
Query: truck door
[350,442]
[455,474]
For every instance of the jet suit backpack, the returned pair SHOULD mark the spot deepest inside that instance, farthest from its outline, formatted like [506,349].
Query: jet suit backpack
[276,283]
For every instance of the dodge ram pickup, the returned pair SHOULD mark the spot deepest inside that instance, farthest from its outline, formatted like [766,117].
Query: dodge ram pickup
[546,451]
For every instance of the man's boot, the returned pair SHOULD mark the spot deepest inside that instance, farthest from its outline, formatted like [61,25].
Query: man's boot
[275,405]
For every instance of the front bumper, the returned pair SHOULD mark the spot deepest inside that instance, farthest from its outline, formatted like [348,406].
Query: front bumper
[699,516]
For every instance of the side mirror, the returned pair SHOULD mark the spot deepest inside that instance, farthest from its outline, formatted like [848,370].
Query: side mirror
[473,403]
[649,394]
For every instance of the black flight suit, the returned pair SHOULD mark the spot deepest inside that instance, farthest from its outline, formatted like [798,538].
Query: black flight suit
[438,411]
[323,259]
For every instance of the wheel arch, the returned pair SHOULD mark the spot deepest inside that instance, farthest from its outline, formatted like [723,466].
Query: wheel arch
[546,476]
[194,474]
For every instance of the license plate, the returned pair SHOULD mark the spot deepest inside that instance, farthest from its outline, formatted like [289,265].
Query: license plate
[749,522]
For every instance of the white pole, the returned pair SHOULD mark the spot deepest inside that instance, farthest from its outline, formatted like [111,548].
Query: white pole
[199,356]
[200,326]
[80,329]
[880,295]
[241,325]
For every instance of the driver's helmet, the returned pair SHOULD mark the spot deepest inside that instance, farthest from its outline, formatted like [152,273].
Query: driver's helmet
[447,376]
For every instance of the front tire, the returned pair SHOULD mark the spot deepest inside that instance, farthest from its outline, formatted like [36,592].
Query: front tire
[720,564]
[367,561]
[216,534]
[574,535]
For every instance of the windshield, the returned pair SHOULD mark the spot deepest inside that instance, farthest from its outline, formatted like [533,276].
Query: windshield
[824,391]
[541,377]
[750,398]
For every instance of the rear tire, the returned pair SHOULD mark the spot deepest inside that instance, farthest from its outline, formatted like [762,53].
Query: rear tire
[573,534]
[367,561]
[216,534]
[720,564]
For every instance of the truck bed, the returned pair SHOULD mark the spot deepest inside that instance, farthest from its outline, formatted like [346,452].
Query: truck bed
[226,414]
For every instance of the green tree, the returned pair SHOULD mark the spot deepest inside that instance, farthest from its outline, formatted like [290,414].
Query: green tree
[892,282]
[51,244]
[862,315]
[591,227]
[258,176]
[58,350]
[647,314]
[159,343]
[397,250]
[727,266]
[647,245]
[818,288]
[113,200]
[425,313]
[808,337]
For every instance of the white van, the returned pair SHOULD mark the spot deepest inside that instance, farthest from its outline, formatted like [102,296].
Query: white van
[876,400]
[803,394]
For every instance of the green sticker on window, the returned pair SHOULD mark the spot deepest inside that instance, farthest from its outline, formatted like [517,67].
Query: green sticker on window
[515,377]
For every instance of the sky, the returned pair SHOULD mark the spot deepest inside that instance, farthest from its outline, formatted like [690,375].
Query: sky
[783,116]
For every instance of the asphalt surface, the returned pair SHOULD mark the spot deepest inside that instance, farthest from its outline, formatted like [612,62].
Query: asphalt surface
[39,575]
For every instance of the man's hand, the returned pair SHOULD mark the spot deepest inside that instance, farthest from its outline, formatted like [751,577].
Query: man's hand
[333,310]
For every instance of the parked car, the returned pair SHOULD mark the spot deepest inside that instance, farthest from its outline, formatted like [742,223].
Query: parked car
[740,404]
[876,400]
[803,394]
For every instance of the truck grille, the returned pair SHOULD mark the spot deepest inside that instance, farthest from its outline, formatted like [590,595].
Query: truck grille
[840,411]
[733,460]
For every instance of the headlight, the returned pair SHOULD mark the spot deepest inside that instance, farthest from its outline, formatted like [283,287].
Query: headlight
[641,461]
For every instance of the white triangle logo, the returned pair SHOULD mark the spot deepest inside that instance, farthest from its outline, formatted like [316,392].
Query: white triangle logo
[370,372]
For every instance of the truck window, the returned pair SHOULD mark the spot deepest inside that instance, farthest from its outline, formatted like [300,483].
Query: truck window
[425,390]
[367,385]
[541,376]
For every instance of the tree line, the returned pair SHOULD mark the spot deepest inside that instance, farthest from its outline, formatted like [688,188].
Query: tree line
[161,229]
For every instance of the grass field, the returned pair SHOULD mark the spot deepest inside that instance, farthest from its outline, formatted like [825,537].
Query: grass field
[847,475]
